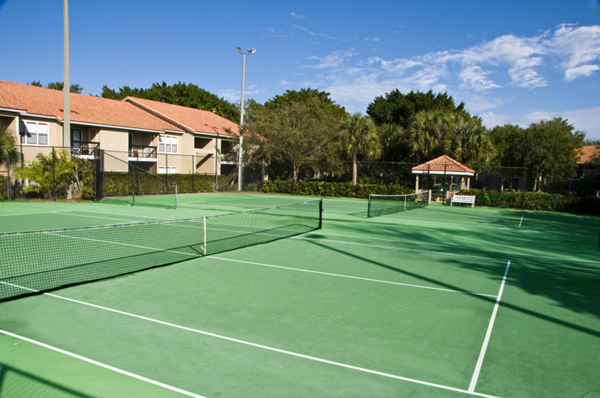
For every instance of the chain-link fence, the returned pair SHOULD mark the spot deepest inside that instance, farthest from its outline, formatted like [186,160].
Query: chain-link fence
[196,173]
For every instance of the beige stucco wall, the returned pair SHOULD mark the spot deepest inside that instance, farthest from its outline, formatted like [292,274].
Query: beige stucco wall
[115,142]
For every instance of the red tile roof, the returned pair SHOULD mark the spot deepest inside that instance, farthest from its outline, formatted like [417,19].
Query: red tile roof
[84,108]
[190,119]
[588,152]
[443,164]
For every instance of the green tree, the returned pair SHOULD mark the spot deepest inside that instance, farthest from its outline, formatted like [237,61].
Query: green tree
[507,140]
[393,143]
[8,149]
[426,133]
[75,88]
[307,95]
[358,137]
[401,109]
[183,94]
[551,149]
[295,130]
[468,141]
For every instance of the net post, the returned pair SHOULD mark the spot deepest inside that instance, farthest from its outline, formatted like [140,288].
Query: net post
[176,195]
[369,207]
[320,213]
[204,233]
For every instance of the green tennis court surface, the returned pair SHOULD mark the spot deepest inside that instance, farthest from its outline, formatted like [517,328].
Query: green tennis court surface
[433,302]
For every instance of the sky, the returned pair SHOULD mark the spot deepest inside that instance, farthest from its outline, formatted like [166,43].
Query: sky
[510,62]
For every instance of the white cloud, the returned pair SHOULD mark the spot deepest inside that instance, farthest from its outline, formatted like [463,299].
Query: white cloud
[305,30]
[583,70]
[473,73]
[332,60]
[579,49]
[297,16]
[474,77]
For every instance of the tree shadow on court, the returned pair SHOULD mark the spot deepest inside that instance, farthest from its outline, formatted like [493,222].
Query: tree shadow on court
[575,290]
[17,383]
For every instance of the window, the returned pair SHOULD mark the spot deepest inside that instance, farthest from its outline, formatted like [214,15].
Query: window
[34,133]
[167,170]
[167,144]
[76,138]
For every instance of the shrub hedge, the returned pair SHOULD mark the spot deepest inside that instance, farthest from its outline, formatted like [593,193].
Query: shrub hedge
[3,190]
[518,199]
[340,189]
[119,184]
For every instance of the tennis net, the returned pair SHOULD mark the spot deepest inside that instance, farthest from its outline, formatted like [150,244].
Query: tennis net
[38,261]
[380,205]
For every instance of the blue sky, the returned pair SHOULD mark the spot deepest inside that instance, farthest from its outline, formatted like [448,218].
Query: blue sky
[509,61]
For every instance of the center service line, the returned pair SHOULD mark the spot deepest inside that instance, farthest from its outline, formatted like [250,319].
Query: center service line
[488,334]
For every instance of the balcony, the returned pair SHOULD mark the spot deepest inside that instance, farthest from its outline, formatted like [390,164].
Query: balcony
[84,149]
[142,153]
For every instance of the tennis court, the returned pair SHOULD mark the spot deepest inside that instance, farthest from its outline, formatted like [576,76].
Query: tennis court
[437,301]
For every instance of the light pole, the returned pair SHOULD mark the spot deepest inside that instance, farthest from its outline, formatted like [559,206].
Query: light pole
[240,168]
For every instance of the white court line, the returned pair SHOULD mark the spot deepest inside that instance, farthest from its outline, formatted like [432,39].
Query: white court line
[351,277]
[260,346]
[34,214]
[488,334]
[103,218]
[399,248]
[126,244]
[511,254]
[521,222]
[102,365]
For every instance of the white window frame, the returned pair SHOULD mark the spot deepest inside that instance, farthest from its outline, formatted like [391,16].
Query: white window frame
[34,133]
[167,169]
[167,143]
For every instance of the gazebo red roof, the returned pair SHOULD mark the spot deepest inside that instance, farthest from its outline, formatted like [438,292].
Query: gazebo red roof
[443,165]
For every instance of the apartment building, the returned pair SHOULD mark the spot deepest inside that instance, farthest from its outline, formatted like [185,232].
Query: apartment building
[158,137]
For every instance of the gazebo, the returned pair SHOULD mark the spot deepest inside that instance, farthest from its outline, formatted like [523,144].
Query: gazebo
[444,166]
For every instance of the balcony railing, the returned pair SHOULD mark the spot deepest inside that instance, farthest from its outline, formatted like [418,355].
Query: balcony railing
[84,147]
[142,151]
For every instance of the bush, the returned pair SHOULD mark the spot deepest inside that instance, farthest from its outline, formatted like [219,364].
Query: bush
[3,189]
[518,199]
[589,206]
[119,184]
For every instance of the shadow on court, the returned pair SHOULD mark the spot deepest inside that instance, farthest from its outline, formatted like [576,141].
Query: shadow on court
[17,383]
[522,279]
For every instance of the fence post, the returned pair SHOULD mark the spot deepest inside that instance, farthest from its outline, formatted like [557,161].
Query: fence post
[8,175]
[132,185]
[53,176]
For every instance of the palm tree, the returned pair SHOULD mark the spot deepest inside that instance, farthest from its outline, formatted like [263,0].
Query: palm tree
[469,142]
[426,132]
[359,137]
[8,150]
